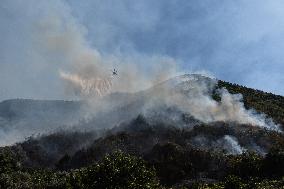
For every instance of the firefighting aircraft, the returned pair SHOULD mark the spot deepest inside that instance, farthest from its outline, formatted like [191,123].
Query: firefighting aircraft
[114,72]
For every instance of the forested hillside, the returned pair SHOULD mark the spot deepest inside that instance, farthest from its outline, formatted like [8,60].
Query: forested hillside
[146,154]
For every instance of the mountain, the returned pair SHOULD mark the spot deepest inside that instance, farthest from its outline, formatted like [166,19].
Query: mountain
[29,117]
[20,108]
[190,128]
[182,101]
[21,118]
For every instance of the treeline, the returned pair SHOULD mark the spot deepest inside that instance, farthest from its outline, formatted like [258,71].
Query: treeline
[117,170]
[143,156]
[121,170]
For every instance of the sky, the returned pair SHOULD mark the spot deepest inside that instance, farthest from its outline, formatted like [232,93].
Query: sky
[240,41]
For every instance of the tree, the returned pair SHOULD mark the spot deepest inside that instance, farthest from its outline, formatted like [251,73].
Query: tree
[274,162]
[8,161]
[119,170]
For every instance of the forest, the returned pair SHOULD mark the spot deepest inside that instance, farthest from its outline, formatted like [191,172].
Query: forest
[142,154]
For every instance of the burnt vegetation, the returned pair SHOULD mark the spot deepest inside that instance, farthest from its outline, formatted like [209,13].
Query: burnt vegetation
[144,155]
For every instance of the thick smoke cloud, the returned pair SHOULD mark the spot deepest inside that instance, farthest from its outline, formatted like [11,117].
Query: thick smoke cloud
[192,94]
[40,40]
[47,52]
[90,71]
[238,41]
[58,62]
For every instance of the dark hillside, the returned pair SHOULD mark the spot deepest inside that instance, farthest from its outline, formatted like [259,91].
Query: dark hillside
[146,154]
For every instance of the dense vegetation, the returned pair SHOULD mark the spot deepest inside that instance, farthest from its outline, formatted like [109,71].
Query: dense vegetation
[143,155]
[117,170]
[173,164]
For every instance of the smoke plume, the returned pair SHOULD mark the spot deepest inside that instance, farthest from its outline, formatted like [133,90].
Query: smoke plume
[230,144]
[60,44]
[192,94]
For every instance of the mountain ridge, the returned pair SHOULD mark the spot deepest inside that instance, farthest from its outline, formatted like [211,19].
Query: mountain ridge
[184,151]
[51,115]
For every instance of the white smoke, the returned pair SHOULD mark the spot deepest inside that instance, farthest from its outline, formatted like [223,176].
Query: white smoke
[230,144]
[62,44]
[85,71]
[192,94]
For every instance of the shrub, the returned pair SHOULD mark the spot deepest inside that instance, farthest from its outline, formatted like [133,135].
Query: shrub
[119,170]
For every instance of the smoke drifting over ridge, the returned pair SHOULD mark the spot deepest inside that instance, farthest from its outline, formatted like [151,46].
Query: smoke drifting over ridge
[87,72]
[200,35]
[192,94]
[84,72]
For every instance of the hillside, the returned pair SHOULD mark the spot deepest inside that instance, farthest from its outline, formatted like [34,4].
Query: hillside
[22,118]
[168,144]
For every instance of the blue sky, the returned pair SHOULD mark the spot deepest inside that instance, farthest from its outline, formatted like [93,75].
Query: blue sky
[238,41]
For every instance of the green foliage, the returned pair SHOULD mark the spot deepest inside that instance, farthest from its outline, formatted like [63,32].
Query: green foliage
[171,162]
[274,162]
[34,179]
[169,149]
[119,170]
[233,182]
[246,165]
[8,160]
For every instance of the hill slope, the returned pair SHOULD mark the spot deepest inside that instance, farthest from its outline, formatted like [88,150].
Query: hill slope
[184,144]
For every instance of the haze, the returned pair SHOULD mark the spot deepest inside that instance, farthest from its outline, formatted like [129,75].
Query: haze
[238,41]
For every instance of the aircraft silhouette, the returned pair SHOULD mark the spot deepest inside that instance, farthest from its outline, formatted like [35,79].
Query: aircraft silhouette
[114,72]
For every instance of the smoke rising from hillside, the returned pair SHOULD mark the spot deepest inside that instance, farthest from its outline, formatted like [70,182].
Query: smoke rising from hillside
[91,77]
[231,144]
[84,70]
[61,46]
[228,143]
[192,94]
